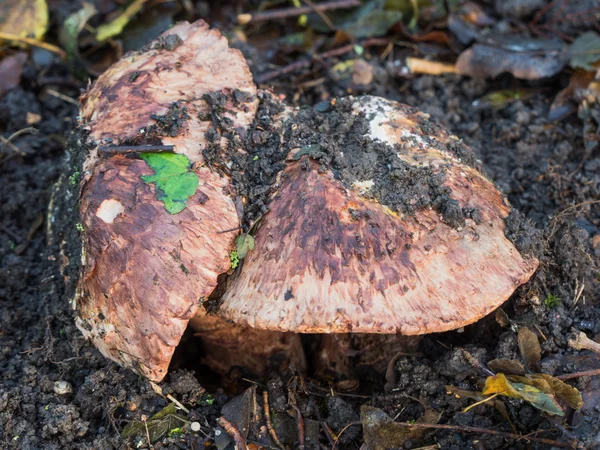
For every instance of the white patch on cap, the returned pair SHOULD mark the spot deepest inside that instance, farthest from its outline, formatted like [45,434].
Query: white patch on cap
[363,186]
[109,209]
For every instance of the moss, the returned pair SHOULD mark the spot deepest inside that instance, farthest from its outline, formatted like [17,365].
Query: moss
[551,301]
[234,258]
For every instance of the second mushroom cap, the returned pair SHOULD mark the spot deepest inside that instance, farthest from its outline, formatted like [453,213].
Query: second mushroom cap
[341,252]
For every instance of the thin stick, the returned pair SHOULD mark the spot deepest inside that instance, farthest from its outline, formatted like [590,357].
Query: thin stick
[268,420]
[232,431]
[321,14]
[303,63]
[145,420]
[51,48]
[578,296]
[484,431]
[476,364]
[300,427]
[585,373]
[63,97]
[123,149]
[285,13]
[342,432]
[229,231]
[11,233]
[487,399]
[178,403]
[542,11]
[15,134]
[14,148]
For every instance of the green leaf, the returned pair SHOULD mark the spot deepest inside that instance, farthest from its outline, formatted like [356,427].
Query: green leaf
[174,180]
[244,243]
[69,36]
[585,51]
[158,425]
[499,99]
[371,19]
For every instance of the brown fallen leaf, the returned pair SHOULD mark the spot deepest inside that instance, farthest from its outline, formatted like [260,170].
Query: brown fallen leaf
[528,60]
[565,104]
[502,365]
[465,22]
[11,68]
[530,349]
[552,385]
[381,432]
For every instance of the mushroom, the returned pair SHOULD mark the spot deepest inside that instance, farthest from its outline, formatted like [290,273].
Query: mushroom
[333,257]
[375,221]
[340,254]
[144,271]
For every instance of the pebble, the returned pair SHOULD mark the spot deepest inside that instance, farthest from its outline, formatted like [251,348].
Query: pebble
[62,387]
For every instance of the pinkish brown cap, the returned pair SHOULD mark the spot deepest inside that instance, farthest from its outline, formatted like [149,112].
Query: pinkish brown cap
[144,270]
[328,259]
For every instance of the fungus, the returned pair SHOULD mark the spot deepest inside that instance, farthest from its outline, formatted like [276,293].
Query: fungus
[369,219]
[332,258]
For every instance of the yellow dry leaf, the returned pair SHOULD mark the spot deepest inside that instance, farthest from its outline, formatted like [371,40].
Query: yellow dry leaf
[114,28]
[26,19]
[499,384]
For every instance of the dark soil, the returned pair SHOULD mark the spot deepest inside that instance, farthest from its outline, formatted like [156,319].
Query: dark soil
[541,166]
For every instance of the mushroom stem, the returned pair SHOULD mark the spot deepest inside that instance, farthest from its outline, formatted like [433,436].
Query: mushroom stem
[342,354]
[582,342]
[227,345]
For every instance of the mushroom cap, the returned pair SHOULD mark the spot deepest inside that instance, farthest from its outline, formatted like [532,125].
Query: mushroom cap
[144,270]
[329,258]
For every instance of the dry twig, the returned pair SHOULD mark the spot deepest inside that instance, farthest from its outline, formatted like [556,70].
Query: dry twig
[582,342]
[119,149]
[303,63]
[321,14]
[232,431]
[16,38]
[14,135]
[285,13]
[268,420]
[585,373]
[342,432]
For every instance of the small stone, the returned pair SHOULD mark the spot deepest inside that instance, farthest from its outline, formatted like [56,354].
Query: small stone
[195,426]
[62,387]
